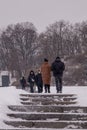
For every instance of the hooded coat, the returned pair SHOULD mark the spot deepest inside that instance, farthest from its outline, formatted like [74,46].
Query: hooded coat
[46,73]
[58,67]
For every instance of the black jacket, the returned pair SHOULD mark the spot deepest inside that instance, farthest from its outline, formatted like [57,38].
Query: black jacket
[31,78]
[58,67]
[23,81]
[39,80]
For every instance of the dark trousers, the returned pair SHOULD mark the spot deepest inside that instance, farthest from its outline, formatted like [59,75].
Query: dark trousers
[40,88]
[32,87]
[23,86]
[47,88]
[58,81]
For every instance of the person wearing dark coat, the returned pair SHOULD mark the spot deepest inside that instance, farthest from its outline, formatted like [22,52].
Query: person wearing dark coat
[39,81]
[58,67]
[31,81]
[23,82]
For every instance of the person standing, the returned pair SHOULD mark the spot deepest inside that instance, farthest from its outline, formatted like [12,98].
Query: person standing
[39,81]
[23,82]
[58,67]
[46,75]
[31,80]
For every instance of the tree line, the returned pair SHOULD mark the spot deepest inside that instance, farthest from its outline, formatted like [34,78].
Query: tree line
[23,48]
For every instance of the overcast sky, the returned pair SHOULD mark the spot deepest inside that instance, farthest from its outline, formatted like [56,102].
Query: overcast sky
[42,12]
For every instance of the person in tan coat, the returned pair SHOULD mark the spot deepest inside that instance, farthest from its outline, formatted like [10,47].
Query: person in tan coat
[46,75]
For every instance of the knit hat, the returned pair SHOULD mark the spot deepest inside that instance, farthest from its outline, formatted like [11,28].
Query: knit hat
[57,58]
[45,60]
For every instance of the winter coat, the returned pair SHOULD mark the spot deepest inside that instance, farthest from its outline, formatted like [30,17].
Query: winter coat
[31,78]
[46,73]
[23,81]
[58,67]
[39,80]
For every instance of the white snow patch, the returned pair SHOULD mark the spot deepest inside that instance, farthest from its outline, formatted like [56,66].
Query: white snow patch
[10,96]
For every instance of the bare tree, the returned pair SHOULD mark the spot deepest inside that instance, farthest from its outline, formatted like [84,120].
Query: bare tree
[18,45]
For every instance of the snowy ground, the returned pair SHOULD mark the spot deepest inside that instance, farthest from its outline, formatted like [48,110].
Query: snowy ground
[10,96]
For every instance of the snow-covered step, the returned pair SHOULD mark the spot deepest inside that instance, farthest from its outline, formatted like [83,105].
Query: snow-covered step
[49,116]
[33,99]
[48,124]
[49,102]
[48,108]
[47,95]
[46,99]
[47,111]
[37,129]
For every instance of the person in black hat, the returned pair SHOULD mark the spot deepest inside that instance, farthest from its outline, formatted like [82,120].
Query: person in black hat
[45,60]
[39,81]
[58,67]
[23,82]
[31,80]
[46,75]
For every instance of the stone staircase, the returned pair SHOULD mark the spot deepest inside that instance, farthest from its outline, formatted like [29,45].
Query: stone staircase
[47,112]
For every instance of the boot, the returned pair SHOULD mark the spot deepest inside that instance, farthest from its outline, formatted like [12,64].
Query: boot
[48,88]
[45,89]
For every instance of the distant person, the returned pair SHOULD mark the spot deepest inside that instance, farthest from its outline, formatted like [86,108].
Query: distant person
[46,75]
[31,81]
[23,82]
[39,81]
[58,67]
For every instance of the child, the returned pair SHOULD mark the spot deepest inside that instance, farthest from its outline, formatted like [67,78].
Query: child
[39,82]
[31,80]
[23,82]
